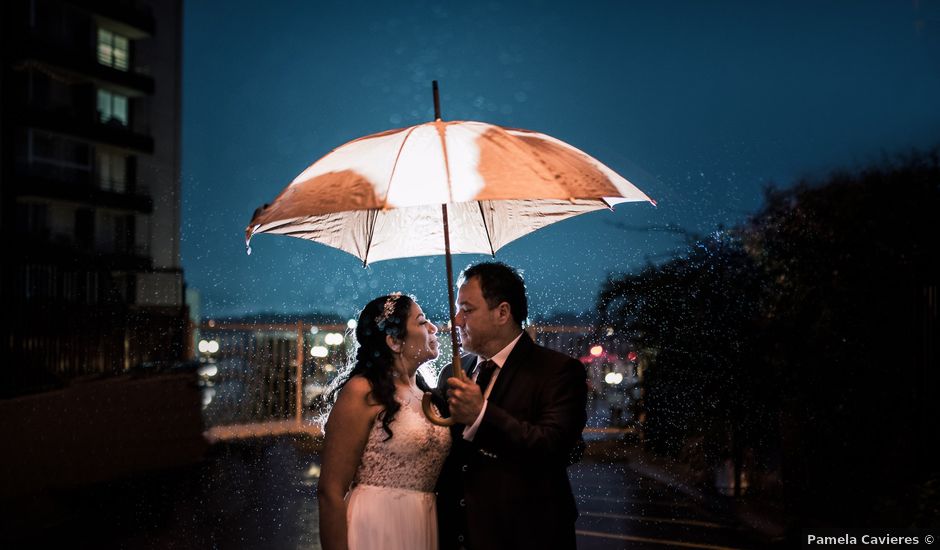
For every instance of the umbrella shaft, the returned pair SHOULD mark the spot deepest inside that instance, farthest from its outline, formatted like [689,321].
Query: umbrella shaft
[457,370]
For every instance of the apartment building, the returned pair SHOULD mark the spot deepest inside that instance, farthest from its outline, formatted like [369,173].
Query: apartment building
[90,188]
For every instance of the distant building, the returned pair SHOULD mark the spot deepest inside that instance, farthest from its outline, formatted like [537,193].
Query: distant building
[90,188]
[574,340]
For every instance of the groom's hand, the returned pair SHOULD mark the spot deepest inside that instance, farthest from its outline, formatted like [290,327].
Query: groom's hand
[465,400]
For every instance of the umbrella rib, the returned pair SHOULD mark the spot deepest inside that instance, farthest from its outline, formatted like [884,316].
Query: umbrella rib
[486,228]
[388,188]
[375,216]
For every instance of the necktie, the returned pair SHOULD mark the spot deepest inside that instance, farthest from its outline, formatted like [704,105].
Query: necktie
[486,370]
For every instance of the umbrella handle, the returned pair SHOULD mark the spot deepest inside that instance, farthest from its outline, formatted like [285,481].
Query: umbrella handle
[432,415]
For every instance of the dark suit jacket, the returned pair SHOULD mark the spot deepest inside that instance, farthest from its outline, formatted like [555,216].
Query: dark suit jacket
[509,487]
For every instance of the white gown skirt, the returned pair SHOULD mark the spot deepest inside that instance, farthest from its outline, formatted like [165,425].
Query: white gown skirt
[391,519]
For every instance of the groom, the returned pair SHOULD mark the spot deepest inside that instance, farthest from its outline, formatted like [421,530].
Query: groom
[505,483]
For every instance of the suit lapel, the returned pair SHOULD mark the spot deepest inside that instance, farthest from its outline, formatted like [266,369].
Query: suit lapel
[517,359]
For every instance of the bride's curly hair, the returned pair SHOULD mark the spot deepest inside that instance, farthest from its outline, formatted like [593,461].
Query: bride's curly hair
[383,316]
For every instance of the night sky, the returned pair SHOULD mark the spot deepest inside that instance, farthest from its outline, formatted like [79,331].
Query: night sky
[700,104]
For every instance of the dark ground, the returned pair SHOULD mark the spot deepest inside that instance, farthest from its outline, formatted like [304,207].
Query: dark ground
[262,495]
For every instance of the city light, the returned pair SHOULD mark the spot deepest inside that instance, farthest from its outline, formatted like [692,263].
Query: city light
[613,378]
[208,371]
[208,346]
[597,351]
[352,324]
[319,351]
[314,329]
[207,396]
[313,471]
[333,339]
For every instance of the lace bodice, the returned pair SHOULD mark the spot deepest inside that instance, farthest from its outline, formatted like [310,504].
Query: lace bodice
[413,457]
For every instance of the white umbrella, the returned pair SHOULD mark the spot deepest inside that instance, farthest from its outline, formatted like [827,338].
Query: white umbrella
[441,187]
[379,197]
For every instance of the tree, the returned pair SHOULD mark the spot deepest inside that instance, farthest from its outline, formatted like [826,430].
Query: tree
[851,264]
[808,335]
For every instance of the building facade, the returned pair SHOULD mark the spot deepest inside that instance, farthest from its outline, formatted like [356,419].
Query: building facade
[90,188]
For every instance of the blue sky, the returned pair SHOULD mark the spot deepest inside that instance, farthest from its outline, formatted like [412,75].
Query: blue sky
[700,104]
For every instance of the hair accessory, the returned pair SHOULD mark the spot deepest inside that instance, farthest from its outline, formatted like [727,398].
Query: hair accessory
[387,310]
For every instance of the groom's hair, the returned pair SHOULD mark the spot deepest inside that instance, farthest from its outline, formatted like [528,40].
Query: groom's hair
[500,283]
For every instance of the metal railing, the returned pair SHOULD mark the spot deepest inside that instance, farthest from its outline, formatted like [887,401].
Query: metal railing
[272,377]
[265,372]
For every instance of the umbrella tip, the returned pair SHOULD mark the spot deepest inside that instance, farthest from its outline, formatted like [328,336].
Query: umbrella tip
[437,100]
[249,232]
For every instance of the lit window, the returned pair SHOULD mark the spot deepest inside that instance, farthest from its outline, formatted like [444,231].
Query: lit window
[112,170]
[113,50]
[112,107]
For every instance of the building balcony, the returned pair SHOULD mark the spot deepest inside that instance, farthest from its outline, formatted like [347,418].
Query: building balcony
[76,186]
[69,122]
[131,18]
[60,250]
[79,62]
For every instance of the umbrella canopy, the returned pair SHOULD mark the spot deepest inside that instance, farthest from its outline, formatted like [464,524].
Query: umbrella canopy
[379,197]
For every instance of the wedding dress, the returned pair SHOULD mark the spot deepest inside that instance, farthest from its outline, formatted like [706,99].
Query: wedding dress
[392,504]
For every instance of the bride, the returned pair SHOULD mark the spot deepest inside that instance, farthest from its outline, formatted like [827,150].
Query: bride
[382,457]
